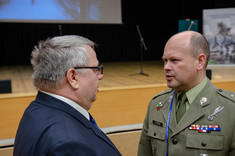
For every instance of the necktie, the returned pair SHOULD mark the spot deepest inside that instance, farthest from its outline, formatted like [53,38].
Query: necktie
[181,106]
[92,120]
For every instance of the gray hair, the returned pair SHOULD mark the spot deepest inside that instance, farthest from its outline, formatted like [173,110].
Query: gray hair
[53,57]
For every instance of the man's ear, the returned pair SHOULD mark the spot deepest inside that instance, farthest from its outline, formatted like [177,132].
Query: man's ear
[72,78]
[201,62]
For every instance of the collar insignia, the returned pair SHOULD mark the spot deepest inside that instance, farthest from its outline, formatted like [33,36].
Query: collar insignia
[203,100]
[159,105]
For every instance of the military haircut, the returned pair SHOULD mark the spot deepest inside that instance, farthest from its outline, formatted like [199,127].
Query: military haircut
[199,45]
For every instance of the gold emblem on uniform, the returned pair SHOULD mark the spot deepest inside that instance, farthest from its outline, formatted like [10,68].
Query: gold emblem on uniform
[203,100]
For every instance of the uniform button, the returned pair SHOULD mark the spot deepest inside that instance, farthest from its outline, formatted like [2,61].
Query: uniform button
[154,134]
[174,141]
[203,143]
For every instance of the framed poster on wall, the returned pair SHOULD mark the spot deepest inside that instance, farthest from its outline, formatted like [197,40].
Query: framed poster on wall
[219,30]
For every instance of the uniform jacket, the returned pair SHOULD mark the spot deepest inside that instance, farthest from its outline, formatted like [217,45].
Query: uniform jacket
[185,142]
[50,127]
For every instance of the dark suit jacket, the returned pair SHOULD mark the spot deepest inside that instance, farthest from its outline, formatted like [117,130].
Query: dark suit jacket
[51,127]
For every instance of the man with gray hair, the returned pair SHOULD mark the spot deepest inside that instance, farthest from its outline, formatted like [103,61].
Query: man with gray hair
[66,73]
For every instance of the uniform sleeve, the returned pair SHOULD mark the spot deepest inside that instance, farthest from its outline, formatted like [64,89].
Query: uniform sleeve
[230,96]
[145,148]
[232,147]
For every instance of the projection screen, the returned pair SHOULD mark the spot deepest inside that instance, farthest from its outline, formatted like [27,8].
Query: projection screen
[61,11]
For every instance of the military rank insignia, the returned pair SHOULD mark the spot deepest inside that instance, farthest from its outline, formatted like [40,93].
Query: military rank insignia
[217,110]
[204,128]
[203,100]
[159,105]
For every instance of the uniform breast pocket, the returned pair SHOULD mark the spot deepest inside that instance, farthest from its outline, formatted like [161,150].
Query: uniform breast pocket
[205,143]
[157,135]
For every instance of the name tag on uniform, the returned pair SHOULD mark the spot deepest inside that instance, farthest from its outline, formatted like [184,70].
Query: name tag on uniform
[157,123]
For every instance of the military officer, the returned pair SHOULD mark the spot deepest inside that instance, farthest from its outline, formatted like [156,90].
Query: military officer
[193,117]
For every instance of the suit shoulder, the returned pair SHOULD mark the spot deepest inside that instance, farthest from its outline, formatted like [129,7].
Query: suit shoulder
[165,92]
[227,94]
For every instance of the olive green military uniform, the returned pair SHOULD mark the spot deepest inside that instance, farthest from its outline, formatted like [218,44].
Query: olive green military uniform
[211,107]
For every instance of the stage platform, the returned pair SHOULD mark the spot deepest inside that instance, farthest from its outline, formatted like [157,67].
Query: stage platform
[117,75]
[122,100]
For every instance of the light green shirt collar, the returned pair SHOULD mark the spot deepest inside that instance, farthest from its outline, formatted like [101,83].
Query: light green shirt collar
[192,93]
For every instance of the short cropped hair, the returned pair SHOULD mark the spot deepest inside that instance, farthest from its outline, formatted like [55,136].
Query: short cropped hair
[53,57]
[199,44]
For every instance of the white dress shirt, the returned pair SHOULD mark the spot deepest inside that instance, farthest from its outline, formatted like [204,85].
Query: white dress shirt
[71,103]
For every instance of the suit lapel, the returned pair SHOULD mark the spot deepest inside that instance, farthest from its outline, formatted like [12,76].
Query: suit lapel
[50,101]
[101,135]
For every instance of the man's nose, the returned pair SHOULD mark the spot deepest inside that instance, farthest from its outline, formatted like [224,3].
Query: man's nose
[100,76]
[167,65]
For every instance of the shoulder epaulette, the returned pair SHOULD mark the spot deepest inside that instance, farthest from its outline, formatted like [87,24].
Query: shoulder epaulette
[162,93]
[227,94]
